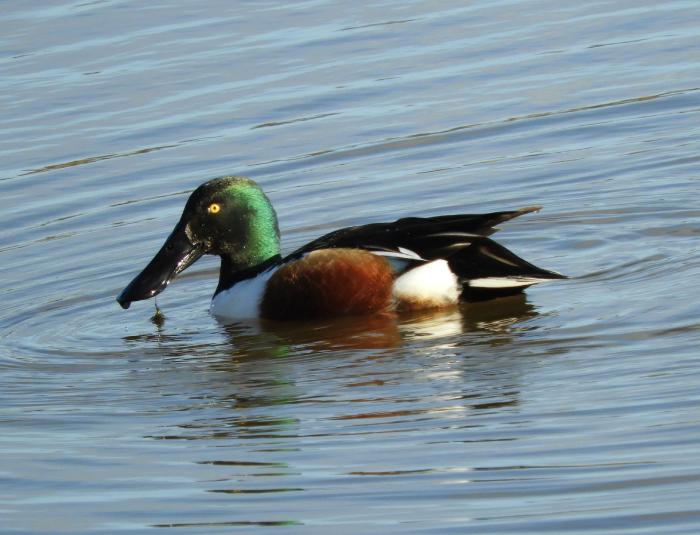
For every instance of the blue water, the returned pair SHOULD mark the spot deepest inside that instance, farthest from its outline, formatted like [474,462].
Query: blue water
[571,409]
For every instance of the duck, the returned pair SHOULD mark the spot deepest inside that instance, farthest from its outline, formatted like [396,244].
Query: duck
[413,263]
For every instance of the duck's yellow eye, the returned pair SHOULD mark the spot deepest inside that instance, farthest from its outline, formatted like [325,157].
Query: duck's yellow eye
[214,208]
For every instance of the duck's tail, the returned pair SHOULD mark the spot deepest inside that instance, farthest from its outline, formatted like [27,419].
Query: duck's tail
[487,270]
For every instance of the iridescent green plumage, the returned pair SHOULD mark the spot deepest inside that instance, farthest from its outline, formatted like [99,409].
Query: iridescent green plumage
[258,219]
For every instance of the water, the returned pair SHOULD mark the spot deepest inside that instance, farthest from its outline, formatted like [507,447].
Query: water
[573,408]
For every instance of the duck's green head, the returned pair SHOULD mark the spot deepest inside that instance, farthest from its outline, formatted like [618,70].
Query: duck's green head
[230,217]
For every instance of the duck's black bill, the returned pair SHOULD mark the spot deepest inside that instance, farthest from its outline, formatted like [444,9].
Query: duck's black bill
[178,252]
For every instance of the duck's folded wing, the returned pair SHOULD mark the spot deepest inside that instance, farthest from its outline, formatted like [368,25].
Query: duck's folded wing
[483,268]
[409,230]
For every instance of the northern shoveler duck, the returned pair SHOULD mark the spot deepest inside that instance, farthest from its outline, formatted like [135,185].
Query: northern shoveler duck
[409,264]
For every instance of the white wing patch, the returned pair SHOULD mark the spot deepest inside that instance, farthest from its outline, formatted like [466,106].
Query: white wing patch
[401,253]
[242,301]
[400,259]
[504,282]
[410,254]
[432,284]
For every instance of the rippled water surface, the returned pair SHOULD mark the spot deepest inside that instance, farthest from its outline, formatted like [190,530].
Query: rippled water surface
[573,408]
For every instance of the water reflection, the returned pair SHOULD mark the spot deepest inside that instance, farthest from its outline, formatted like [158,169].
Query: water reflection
[495,321]
[281,383]
[384,331]
[290,400]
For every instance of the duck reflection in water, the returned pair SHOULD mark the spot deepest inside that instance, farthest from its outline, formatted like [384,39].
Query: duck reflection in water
[378,331]
[389,330]
[272,380]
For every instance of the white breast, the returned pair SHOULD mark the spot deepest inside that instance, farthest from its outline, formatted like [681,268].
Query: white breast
[242,301]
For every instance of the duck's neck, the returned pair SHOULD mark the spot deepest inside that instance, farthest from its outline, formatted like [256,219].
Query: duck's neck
[232,272]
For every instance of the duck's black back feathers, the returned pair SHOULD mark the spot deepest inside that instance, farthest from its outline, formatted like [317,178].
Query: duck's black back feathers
[410,230]
[460,239]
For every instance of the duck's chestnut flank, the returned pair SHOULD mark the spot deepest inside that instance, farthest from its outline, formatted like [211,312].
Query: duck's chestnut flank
[329,282]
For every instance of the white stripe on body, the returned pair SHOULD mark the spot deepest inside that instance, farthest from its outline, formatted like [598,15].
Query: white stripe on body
[504,282]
